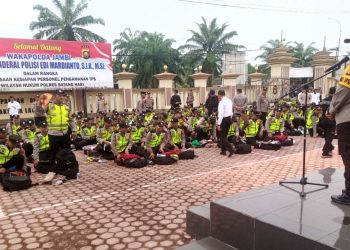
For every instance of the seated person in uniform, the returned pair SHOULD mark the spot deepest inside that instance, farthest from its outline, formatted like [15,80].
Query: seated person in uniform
[253,128]
[275,124]
[156,140]
[41,150]
[88,134]
[233,131]
[104,136]
[28,139]
[11,154]
[176,135]
[14,126]
[121,141]
[100,119]
[78,126]
[138,136]
[312,120]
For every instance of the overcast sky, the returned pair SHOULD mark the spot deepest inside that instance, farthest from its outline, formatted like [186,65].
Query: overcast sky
[301,20]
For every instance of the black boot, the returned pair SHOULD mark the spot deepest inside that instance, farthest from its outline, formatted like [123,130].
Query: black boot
[344,198]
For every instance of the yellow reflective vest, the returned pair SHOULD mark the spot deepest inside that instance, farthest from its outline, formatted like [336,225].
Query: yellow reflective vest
[58,117]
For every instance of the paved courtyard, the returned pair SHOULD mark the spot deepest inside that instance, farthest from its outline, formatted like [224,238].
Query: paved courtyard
[111,207]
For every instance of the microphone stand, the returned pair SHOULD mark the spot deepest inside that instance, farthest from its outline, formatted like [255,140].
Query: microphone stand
[303,181]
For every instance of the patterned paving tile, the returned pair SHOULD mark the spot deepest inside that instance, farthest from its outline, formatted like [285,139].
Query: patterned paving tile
[112,207]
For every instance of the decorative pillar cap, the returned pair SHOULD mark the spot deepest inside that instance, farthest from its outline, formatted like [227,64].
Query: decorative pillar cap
[165,75]
[230,75]
[200,75]
[125,75]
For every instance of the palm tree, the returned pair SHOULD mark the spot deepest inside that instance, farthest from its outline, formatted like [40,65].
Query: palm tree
[303,54]
[68,24]
[208,45]
[148,52]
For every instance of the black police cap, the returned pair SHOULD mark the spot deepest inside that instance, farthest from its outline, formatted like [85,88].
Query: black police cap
[2,130]
[43,124]
[60,92]
[123,125]
[108,119]
[30,122]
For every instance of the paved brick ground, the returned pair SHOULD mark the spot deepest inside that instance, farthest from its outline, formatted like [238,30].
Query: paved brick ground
[112,207]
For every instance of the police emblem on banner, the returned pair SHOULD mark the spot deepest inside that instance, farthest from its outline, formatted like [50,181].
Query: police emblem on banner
[345,78]
[85,51]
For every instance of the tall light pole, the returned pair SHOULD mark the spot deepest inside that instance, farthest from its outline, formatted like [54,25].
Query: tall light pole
[340,31]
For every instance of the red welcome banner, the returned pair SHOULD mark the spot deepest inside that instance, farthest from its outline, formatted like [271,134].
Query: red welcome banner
[27,65]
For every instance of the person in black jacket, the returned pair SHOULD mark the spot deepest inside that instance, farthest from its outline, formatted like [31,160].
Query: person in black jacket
[212,102]
[175,100]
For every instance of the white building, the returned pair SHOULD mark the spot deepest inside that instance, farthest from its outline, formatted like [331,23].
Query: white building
[235,62]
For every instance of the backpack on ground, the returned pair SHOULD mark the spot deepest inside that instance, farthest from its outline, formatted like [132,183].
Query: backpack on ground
[124,156]
[15,180]
[135,163]
[67,164]
[287,143]
[280,138]
[292,132]
[243,149]
[166,160]
[187,155]
[271,145]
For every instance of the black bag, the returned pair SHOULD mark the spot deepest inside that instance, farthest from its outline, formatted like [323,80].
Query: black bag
[288,142]
[292,132]
[15,180]
[243,149]
[187,155]
[67,164]
[268,145]
[135,163]
[164,160]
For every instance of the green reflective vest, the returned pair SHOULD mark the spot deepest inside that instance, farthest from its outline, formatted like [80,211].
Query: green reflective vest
[176,135]
[15,129]
[287,116]
[90,131]
[309,119]
[231,130]
[43,142]
[31,135]
[149,117]
[78,128]
[58,117]
[6,155]
[252,130]
[100,122]
[195,122]
[106,134]
[275,125]
[156,140]
[136,134]
[121,142]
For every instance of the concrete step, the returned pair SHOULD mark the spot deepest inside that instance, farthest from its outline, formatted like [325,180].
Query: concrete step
[198,221]
[208,243]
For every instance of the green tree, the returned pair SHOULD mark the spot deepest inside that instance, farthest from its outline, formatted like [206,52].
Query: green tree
[148,52]
[68,24]
[303,54]
[207,46]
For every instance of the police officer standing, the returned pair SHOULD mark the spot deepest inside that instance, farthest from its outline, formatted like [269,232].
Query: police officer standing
[149,102]
[59,124]
[340,110]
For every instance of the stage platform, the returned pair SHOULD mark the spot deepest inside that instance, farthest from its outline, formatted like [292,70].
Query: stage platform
[275,217]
